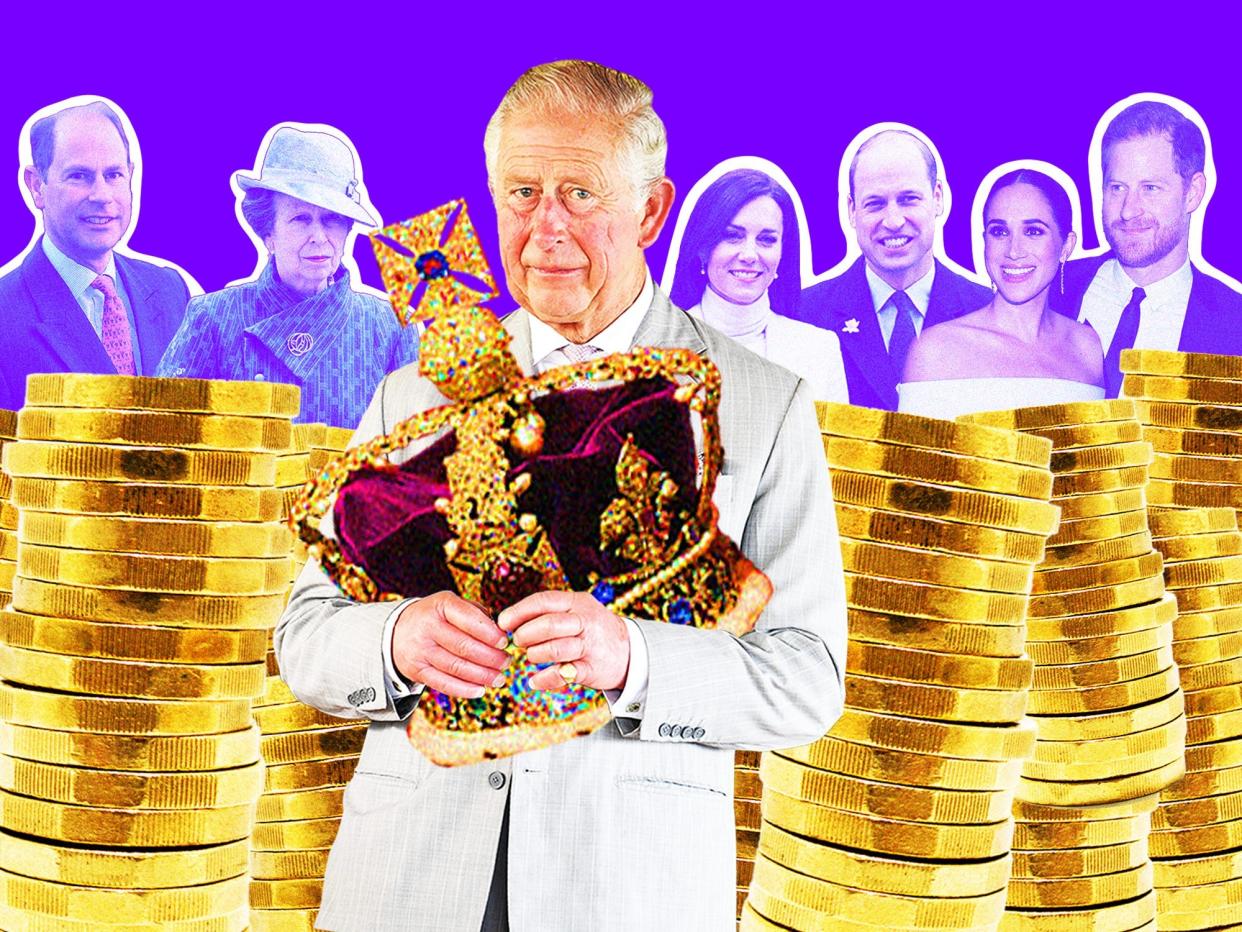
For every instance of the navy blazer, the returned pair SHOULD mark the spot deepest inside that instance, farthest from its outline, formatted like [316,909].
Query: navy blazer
[1213,314]
[869,372]
[48,331]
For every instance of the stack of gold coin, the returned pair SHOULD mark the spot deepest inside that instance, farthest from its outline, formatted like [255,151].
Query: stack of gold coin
[1105,697]
[1190,406]
[1198,825]
[151,565]
[8,515]
[901,815]
[747,796]
[310,757]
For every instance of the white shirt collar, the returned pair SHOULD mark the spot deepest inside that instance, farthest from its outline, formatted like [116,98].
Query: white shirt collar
[77,276]
[617,337]
[741,321]
[919,292]
[1172,291]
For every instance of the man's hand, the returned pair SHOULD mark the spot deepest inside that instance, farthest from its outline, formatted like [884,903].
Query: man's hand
[570,627]
[449,644]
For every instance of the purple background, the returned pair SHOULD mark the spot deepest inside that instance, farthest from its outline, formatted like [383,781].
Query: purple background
[414,90]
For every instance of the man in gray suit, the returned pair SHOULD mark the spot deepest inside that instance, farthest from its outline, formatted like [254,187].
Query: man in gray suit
[631,827]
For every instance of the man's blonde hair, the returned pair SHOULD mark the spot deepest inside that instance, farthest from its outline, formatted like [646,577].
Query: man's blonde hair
[587,89]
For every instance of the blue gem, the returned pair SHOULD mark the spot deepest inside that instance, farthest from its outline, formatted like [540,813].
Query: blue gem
[603,592]
[431,265]
[680,612]
[443,701]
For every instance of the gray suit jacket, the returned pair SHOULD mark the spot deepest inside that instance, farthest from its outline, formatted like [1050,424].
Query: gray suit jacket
[628,828]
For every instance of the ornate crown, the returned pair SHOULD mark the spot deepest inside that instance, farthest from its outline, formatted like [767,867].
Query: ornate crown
[532,483]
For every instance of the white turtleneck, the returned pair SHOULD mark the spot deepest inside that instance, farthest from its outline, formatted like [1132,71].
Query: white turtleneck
[746,323]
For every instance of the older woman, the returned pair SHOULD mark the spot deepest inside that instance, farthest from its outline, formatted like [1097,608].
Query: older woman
[738,269]
[300,321]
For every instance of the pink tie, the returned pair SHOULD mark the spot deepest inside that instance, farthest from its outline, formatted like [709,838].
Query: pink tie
[115,335]
[580,352]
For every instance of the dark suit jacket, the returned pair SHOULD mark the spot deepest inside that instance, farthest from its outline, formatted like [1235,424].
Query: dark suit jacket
[47,331]
[1213,314]
[868,370]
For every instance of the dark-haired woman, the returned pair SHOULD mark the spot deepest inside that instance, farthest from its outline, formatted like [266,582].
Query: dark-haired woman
[300,322]
[738,269]
[1016,351]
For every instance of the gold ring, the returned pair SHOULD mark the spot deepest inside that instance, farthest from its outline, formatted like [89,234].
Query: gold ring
[568,673]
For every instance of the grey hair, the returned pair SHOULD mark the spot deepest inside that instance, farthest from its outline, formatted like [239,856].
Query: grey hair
[928,159]
[43,134]
[584,88]
[258,209]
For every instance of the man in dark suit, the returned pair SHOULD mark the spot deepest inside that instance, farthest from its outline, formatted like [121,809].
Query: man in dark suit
[1144,291]
[74,304]
[882,302]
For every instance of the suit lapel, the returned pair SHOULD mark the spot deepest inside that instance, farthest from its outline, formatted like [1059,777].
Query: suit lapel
[1201,317]
[518,325]
[664,325]
[155,321]
[857,327]
[62,327]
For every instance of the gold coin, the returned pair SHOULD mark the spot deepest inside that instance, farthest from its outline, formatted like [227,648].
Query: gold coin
[149,535]
[294,836]
[314,745]
[131,752]
[1131,914]
[1193,442]
[275,692]
[1096,504]
[8,516]
[1053,836]
[1097,574]
[1124,720]
[1206,839]
[292,717]
[1058,415]
[983,508]
[155,428]
[301,805]
[1101,551]
[1224,418]
[1194,494]
[1203,572]
[1104,672]
[1186,522]
[1192,626]
[1083,760]
[830,899]
[109,907]
[747,759]
[8,571]
[8,424]
[1208,757]
[40,459]
[8,545]
[745,870]
[746,784]
[1105,527]
[1219,918]
[978,742]
[6,482]
[212,503]
[1193,871]
[133,828]
[39,709]
[840,420]
[941,569]
[1042,892]
[944,703]
[747,843]
[306,436]
[191,575]
[1080,862]
[907,768]
[1108,456]
[1194,812]
[334,438]
[1087,792]
[924,666]
[277,865]
[1199,546]
[283,920]
[1205,390]
[131,642]
[1202,899]
[1211,675]
[926,533]
[1196,468]
[1106,598]
[286,894]
[136,607]
[309,775]
[867,871]
[940,603]
[1211,728]
[746,814]
[292,469]
[97,677]
[945,636]
[885,800]
[1095,481]
[122,868]
[1213,701]
[115,789]
[1204,783]
[904,462]
[28,921]
[1073,436]
[1086,650]
[136,392]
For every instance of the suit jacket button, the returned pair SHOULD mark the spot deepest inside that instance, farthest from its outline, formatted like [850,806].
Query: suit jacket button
[697,733]
[258,377]
[496,780]
[665,730]
[675,731]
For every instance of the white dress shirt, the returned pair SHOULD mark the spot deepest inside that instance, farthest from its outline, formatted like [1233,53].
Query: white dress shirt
[881,291]
[1161,315]
[78,278]
[547,350]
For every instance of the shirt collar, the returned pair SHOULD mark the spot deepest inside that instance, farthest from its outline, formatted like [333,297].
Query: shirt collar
[919,292]
[617,337]
[77,276]
[1171,291]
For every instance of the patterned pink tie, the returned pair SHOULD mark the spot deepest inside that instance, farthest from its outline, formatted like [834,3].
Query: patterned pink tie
[115,335]
[580,352]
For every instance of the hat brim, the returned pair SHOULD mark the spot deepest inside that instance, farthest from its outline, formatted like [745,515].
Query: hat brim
[311,193]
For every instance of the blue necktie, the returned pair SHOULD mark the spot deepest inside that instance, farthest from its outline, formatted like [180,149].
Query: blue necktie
[1123,339]
[903,331]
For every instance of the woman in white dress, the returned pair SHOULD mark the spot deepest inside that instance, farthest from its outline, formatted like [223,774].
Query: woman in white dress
[738,269]
[1015,351]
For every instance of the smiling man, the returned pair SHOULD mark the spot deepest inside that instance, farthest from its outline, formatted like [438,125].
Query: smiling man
[632,826]
[1145,291]
[897,287]
[74,304]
